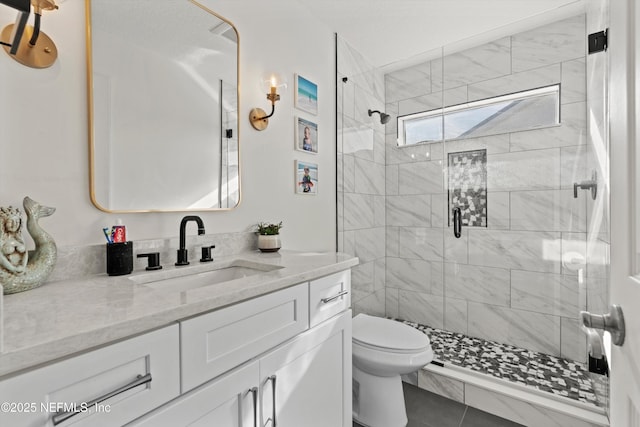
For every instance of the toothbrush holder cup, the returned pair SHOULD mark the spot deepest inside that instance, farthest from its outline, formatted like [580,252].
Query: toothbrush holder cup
[119,258]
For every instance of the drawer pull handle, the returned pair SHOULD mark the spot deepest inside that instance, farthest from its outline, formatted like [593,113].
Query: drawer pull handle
[272,378]
[254,393]
[60,416]
[329,299]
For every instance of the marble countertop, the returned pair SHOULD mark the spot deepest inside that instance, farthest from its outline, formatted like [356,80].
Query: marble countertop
[62,318]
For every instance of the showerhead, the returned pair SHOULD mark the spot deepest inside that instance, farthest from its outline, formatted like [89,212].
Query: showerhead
[384,118]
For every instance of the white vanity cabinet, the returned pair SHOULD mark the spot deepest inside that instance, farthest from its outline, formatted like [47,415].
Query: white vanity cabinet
[109,386]
[310,377]
[308,370]
[281,359]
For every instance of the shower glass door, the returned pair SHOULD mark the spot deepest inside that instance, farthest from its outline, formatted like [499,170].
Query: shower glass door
[362,143]
[525,202]
[416,219]
[480,210]
[510,163]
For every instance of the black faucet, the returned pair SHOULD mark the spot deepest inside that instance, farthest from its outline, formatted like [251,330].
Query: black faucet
[182,252]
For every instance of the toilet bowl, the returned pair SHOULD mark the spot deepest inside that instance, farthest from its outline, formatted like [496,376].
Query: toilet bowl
[384,349]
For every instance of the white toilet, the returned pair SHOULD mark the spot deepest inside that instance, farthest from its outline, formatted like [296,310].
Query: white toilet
[384,349]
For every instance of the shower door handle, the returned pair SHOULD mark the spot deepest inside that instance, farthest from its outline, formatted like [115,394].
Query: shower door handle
[612,322]
[457,222]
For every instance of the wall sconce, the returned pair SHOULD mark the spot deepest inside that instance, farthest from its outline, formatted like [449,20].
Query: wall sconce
[39,51]
[257,116]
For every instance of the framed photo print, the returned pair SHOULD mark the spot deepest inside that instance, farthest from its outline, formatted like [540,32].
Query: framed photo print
[306,136]
[306,178]
[306,95]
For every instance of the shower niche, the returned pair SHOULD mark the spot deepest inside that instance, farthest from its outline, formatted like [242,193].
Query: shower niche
[467,186]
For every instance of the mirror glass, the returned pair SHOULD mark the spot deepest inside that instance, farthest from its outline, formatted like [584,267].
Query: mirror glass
[163,102]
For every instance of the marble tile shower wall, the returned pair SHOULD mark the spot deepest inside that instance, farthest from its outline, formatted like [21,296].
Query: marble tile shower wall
[516,280]
[361,172]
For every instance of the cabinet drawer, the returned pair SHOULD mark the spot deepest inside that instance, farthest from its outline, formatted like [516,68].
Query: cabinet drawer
[216,342]
[151,359]
[329,296]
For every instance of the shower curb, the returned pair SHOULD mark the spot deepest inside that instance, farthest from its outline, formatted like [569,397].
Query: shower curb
[519,403]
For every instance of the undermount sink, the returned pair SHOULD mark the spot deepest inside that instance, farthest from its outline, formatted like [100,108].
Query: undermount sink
[186,278]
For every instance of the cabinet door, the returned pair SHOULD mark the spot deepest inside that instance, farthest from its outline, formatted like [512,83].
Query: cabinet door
[228,401]
[310,378]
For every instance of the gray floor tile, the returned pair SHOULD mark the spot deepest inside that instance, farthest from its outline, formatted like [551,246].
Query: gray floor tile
[477,418]
[431,409]
[426,409]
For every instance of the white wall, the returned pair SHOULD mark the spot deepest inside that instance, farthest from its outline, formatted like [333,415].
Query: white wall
[43,131]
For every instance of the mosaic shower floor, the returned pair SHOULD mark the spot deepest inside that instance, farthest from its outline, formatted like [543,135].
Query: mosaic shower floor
[544,372]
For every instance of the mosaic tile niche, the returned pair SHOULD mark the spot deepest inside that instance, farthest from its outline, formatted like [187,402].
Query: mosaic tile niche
[468,186]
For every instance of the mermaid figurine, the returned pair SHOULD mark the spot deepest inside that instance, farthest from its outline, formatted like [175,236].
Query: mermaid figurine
[21,270]
[13,252]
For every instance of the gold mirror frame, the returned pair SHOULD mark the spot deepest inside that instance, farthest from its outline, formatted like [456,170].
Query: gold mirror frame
[91,120]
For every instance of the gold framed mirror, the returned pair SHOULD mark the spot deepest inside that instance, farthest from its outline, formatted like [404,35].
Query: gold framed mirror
[163,101]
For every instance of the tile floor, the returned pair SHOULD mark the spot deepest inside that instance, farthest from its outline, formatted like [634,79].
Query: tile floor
[426,409]
[538,370]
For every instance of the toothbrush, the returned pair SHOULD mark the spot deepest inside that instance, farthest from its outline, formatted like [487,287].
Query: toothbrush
[106,234]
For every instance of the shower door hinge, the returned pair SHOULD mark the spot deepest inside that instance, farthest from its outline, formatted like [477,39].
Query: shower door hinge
[598,42]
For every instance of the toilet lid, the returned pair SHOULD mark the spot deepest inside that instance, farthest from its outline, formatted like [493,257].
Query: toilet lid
[386,333]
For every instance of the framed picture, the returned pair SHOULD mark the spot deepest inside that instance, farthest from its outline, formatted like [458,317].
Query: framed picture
[306,95]
[306,178]
[306,136]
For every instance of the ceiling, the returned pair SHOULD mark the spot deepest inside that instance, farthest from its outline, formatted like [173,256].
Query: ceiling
[389,32]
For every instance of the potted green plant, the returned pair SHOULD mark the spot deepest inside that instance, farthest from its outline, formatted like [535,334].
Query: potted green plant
[269,236]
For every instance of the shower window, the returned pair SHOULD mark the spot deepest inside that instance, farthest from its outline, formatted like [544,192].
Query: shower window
[519,111]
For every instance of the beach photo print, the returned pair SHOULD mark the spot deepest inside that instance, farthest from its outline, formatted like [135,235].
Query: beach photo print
[306,95]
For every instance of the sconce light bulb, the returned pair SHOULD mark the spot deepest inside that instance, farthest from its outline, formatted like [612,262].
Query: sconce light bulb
[270,83]
[272,79]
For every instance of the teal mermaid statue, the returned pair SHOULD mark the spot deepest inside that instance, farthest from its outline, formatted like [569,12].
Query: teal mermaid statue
[21,270]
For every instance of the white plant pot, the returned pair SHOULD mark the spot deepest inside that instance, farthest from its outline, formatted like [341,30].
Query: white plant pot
[269,243]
